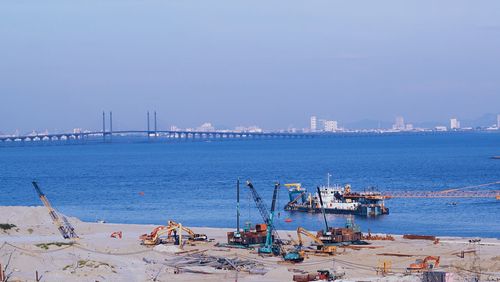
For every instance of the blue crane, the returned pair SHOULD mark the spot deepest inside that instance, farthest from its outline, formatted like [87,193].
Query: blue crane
[273,243]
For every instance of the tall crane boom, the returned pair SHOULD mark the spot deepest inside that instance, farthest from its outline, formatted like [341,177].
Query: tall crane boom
[273,246]
[323,210]
[267,217]
[261,206]
[63,225]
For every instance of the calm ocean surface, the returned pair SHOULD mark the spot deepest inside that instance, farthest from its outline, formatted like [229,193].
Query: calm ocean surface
[194,182]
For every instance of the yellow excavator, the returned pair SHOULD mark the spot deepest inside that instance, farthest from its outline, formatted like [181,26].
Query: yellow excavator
[192,236]
[321,247]
[154,238]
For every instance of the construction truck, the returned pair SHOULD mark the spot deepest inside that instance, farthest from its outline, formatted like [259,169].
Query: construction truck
[273,244]
[427,263]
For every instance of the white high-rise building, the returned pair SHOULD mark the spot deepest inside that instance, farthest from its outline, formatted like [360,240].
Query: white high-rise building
[498,121]
[330,125]
[314,124]
[399,124]
[454,124]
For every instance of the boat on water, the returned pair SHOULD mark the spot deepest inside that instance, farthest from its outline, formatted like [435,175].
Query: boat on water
[336,200]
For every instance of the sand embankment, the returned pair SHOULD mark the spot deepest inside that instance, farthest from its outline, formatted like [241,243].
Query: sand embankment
[97,257]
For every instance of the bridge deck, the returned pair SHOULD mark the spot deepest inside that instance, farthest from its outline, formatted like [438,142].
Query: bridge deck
[182,135]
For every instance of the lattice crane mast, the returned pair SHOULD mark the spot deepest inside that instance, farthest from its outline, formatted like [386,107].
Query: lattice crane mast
[267,217]
[62,223]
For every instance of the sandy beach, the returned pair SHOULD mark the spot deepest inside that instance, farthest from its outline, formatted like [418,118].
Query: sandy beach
[26,249]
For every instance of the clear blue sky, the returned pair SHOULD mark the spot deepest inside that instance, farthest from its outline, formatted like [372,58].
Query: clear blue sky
[271,63]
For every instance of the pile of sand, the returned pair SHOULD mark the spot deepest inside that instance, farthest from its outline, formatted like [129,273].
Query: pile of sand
[168,249]
[28,220]
[25,216]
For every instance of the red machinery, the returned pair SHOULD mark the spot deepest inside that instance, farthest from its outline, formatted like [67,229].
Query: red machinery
[429,262]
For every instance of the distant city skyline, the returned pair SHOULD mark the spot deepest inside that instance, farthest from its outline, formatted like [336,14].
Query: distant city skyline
[314,124]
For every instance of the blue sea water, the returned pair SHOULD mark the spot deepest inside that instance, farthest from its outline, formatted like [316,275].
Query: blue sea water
[194,182]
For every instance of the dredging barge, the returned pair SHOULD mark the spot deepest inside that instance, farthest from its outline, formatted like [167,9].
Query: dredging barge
[336,200]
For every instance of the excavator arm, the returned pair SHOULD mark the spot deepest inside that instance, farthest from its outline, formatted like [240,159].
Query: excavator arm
[321,247]
[296,198]
[193,236]
[301,231]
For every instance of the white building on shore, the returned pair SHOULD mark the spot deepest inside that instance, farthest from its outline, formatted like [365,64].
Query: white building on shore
[314,123]
[399,124]
[330,125]
[454,124]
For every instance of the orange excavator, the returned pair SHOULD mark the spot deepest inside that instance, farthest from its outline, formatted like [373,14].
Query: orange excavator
[427,263]
[153,238]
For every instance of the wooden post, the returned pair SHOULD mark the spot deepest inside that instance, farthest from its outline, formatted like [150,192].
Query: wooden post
[2,278]
[180,235]
[2,274]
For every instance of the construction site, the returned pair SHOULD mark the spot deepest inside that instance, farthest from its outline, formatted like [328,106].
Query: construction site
[41,244]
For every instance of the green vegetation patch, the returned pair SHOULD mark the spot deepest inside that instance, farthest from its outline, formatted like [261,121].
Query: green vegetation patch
[46,246]
[90,264]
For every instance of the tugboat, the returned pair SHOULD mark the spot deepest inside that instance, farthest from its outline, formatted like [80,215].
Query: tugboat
[336,200]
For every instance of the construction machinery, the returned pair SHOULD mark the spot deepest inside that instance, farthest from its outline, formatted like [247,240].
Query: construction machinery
[269,246]
[321,247]
[295,192]
[427,263]
[249,236]
[192,236]
[61,222]
[273,244]
[155,237]
[116,234]
[326,239]
[331,235]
